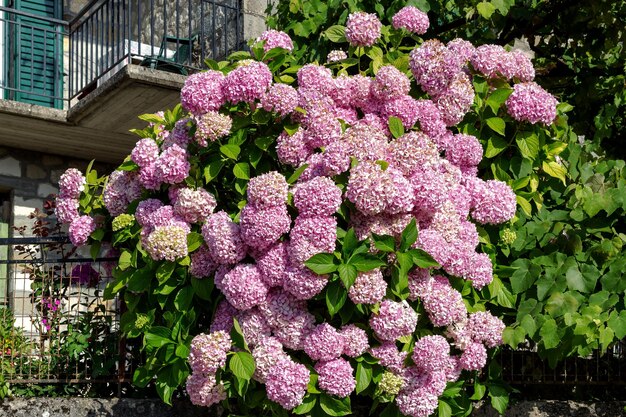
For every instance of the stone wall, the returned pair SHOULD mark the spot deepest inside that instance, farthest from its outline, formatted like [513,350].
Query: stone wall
[32,177]
[88,407]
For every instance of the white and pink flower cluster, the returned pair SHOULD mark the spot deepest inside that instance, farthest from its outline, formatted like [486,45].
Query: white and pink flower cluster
[427,174]
[71,185]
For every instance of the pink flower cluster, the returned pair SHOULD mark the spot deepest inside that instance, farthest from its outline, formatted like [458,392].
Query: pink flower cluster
[256,257]
[412,19]
[206,358]
[362,29]
[275,39]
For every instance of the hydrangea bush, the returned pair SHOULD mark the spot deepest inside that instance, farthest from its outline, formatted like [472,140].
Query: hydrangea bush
[291,237]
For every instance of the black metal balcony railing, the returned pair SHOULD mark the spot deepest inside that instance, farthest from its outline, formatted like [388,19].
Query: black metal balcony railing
[52,62]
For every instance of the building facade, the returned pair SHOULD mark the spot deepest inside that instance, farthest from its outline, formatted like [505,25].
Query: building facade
[74,76]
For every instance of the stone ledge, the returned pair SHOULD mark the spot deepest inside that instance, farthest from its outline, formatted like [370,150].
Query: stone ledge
[127,407]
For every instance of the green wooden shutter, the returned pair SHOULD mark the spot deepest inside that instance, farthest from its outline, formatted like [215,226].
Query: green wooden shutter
[38,58]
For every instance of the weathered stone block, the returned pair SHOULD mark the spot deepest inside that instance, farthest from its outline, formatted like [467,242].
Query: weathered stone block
[10,167]
[44,190]
[35,172]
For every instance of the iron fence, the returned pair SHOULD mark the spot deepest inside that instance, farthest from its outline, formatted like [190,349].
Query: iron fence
[53,62]
[55,325]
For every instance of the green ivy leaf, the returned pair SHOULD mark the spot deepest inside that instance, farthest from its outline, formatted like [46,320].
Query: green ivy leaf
[528,145]
[347,274]
[499,397]
[336,34]
[617,323]
[183,298]
[384,243]
[485,9]
[322,263]
[550,334]
[230,151]
[496,124]
[335,407]
[164,271]
[409,235]
[241,170]
[396,127]
[242,365]
[363,376]
[335,297]
[364,262]
[307,405]
[212,170]
[554,169]
[495,145]
[202,288]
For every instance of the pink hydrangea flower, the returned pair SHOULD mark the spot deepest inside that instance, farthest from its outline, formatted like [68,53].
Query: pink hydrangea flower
[202,264]
[292,149]
[243,287]
[80,229]
[393,320]
[202,92]
[474,357]
[494,202]
[412,19]
[336,55]
[247,83]
[390,83]
[275,39]
[336,377]
[66,209]
[223,239]
[172,166]
[167,243]
[212,126]
[204,390]
[273,265]
[194,205]
[324,343]
[268,190]
[431,353]
[280,98]
[286,383]
[368,288]
[370,188]
[267,353]
[262,227]
[486,328]
[302,283]
[145,152]
[389,356]
[208,352]
[71,184]
[531,103]
[363,29]
[254,326]
[317,197]
[310,236]
[356,341]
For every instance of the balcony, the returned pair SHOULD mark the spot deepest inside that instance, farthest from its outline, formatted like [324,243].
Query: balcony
[76,87]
